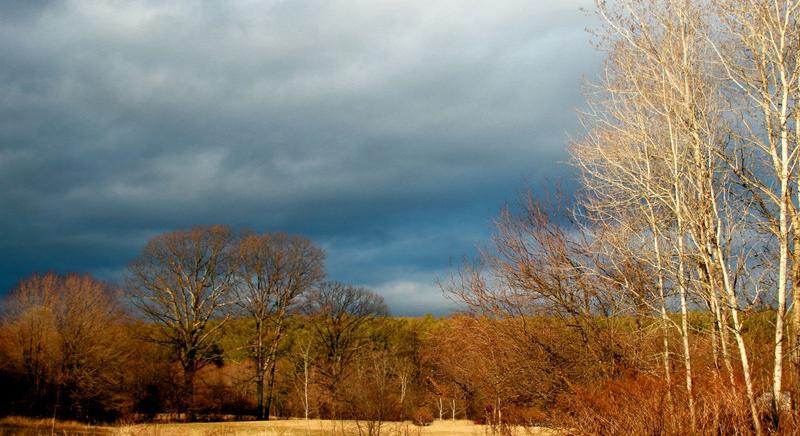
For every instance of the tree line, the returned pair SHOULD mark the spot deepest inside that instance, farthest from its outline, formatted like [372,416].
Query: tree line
[216,324]
[69,339]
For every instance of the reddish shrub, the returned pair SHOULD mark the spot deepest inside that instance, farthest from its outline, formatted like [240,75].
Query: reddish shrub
[521,415]
[422,416]
[640,404]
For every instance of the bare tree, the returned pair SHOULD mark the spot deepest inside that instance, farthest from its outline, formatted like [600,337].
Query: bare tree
[303,371]
[403,369]
[340,314]
[657,147]
[758,52]
[539,269]
[274,270]
[70,343]
[183,282]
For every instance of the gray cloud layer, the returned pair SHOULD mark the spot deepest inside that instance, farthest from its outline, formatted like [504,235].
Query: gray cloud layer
[387,131]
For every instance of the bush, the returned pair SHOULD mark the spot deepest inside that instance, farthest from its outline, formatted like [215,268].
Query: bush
[638,404]
[422,416]
[522,415]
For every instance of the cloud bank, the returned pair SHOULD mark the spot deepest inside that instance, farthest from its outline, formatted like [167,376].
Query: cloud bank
[388,132]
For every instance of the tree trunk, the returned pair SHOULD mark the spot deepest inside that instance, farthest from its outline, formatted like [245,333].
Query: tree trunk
[259,379]
[271,385]
[721,323]
[737,332]
[678,203]
[664,317]
[260,392]
[783,228]
[273,356]
[305,382]
[189,371]
[795,337]
[720,326]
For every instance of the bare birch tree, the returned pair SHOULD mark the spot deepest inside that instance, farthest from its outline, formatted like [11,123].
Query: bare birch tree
[757,49]
[655,146]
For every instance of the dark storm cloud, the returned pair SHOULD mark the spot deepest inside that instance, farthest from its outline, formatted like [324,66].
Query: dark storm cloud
[389,132]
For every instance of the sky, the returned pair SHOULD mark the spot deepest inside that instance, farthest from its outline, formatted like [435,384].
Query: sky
[389,132]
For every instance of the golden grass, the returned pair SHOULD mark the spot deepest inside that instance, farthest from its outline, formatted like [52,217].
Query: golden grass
[287,427]
[19,425]
[317,427]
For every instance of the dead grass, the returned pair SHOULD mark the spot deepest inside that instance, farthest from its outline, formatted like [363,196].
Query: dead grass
[289,427]
[18,425]
[315,427]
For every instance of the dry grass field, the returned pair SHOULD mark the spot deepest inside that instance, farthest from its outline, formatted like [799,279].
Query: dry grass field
[298,427]
[290,427]
[17,425]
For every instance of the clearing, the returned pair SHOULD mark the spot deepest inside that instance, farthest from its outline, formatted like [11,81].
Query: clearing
[314,427]
[287,427]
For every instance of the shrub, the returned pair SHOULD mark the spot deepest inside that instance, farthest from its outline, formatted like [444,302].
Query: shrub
[422,416]
[522,415]
[638,404]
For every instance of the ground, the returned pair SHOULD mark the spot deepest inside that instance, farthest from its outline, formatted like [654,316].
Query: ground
[298,427]
[289,427]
